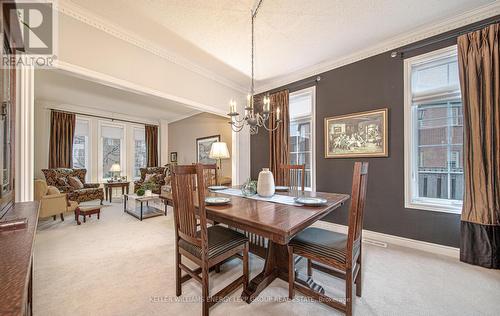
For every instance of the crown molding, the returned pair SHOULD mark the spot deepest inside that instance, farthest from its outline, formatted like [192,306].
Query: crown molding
[181,117]
[114,82]
[85,16]
[424,32]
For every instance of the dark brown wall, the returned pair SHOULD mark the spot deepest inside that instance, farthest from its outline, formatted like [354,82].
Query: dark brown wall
[372,83]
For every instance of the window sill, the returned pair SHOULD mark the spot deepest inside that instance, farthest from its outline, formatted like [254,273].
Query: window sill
[435,207]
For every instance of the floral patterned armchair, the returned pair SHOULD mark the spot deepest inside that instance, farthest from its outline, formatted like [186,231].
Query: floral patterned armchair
[155,175]
[59,178]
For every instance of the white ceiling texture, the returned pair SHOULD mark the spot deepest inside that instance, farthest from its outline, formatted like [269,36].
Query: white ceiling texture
[291,35]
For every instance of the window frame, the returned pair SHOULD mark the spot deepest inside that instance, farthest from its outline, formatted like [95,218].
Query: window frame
[88,147]
[142,129]
[123,148]
[410,137]
[312,91]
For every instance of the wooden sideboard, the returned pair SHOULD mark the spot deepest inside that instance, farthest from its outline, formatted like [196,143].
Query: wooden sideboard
[16,261]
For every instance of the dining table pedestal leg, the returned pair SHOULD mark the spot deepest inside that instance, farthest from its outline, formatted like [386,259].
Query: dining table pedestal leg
[276,266]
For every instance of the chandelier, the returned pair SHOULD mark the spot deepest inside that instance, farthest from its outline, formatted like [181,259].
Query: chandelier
[252,118]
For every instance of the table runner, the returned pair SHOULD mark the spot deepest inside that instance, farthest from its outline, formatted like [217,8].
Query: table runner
[280,199]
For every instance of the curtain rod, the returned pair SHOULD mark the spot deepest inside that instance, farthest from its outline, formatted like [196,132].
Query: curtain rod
[101,117]
[444,37]
[296,85]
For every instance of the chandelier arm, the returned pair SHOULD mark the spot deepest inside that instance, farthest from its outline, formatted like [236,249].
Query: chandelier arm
[237,120]
[272,129]
[237,125]
[237,128]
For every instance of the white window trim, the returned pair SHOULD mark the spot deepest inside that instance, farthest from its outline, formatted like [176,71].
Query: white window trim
[123,149]
[132,145]
[88,150]
[427,204]
[312,91]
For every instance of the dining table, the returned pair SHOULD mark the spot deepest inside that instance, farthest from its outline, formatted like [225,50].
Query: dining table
[269,226]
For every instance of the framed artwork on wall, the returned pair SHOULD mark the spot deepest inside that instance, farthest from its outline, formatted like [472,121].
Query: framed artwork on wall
[203,146]
[362,134]
[173,156]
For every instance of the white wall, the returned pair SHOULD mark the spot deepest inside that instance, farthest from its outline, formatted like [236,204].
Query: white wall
[183,134]
[84,46]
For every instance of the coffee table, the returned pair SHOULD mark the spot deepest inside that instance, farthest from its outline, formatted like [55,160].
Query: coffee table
[142,209]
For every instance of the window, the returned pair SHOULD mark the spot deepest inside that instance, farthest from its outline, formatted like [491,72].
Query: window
[81,145]
[139,151]
[302,132]
[433,132]
[112,148]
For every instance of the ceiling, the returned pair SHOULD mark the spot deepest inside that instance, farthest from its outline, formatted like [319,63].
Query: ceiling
[291,35]
[61,88]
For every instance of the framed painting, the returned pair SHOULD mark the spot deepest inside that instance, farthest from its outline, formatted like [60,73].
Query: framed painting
[173,156]
[203,146]
[362,134]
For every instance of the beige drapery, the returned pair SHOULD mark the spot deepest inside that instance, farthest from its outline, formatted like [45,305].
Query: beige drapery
[479,65]
[62,131]
[152,145]
[279,139]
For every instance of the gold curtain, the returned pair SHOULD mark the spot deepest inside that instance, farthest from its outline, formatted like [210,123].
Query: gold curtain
[279,139]
[62,131]
[478,59]
[152,145]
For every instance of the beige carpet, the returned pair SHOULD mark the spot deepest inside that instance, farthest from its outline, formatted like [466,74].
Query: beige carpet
[120,266]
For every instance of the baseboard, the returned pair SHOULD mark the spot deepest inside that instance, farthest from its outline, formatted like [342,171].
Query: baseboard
[377,238]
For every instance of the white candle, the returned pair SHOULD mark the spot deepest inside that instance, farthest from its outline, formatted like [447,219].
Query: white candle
[278,113]
[248,100]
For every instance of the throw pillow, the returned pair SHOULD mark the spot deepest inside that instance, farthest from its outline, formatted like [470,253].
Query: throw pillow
[52,190]
[150,177]
[75,183]
[62,182]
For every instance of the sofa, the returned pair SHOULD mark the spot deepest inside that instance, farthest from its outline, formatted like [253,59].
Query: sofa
[52,201]
[61,179]
[157,176]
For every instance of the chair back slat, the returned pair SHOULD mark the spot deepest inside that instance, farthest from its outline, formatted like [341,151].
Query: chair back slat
[356,210]
[295,176]
[210,174]
[183,184]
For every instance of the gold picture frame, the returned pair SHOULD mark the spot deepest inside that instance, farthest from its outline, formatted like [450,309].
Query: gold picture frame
[361,134]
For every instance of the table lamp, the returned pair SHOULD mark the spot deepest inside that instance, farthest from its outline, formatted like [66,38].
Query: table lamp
[115,169]
[219,151]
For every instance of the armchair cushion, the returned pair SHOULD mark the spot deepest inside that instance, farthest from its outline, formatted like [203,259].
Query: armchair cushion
[52,190]
[62,182]
[91,185]
[75,183]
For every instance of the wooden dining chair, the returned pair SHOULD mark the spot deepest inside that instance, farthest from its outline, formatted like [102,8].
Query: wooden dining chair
[295,177]
[209,174]
[337,254]
[207,246]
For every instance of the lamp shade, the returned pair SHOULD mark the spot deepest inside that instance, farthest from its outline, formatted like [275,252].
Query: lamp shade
[115,168]
[219,151]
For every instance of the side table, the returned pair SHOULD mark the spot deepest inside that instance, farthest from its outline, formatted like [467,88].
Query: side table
[108,188]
